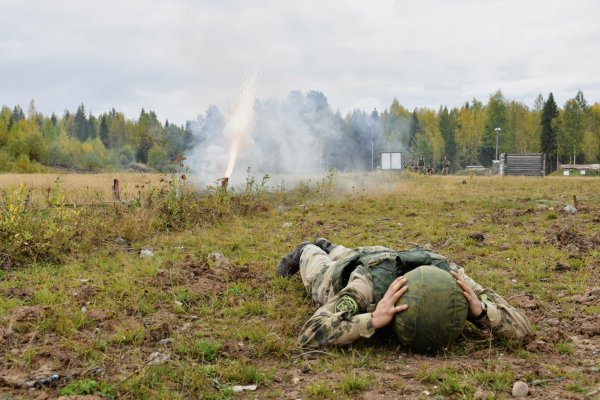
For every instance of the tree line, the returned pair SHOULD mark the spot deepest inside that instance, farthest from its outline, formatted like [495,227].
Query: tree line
[470,134]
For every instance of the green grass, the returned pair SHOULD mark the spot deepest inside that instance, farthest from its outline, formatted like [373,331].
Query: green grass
[99,305]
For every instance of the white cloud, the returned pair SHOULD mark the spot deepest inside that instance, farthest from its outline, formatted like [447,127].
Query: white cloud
[178,57]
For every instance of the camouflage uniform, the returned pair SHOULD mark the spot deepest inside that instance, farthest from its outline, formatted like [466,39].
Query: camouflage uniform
[345,316]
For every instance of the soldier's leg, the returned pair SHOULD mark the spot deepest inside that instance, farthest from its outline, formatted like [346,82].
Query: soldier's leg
[316,270]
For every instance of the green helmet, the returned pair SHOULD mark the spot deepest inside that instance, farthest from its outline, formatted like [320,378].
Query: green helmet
[437,310]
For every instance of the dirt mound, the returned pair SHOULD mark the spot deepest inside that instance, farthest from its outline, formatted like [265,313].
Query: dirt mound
[567,238]
[204,278]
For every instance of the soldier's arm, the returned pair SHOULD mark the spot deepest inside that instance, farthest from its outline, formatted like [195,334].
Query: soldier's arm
[500,317]
[345,318]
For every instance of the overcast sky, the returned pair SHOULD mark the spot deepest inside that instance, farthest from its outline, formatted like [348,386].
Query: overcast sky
[176,57]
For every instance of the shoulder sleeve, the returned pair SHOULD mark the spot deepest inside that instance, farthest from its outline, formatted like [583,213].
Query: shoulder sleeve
[502,319]
[344,318]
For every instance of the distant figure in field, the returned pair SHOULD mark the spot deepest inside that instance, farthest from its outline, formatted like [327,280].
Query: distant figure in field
[445,166]
[421,165]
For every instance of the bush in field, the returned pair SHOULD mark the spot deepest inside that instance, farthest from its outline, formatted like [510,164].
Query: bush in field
[29,234]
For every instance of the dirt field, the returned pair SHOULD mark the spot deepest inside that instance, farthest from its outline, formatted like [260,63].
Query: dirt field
[186,322]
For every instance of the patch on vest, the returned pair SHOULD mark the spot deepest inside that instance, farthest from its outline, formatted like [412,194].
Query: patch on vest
[346,303]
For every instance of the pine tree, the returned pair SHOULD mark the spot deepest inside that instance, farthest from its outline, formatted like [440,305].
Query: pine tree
[104,132]
[548,135]
[495,118]
[447,131]
[413,129]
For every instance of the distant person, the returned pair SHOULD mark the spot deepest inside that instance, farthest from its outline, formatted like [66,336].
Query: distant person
[421,165]
[359,291]
[445,166]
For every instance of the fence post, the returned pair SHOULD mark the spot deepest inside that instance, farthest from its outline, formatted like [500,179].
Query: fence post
[116,190]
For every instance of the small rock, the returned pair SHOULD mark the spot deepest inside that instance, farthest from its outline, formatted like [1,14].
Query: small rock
[287,225]
[520,389]
[48,381]
[553,322]
[215,256]
[97,371]
[166,341]
[186,326]
[120,241]
[146,253]
[239,388]
[592,393]
[84,280]
[570,209]
[536,345]
[157,358]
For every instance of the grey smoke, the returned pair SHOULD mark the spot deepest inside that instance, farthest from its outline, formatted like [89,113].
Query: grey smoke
[294,138]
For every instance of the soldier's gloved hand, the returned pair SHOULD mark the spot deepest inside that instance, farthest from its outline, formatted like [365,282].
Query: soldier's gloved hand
[475,308]
[386,308]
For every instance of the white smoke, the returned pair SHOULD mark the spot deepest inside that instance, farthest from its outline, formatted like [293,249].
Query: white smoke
[299,137]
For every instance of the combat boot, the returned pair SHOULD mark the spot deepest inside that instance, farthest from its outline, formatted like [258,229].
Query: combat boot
[290,263]
[325,245]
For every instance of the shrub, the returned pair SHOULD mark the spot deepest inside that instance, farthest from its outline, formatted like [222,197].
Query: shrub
[30,234]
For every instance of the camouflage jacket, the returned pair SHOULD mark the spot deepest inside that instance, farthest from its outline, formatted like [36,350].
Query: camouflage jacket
[346,316]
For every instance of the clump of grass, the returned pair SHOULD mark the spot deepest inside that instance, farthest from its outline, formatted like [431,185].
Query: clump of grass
[353,384]
[566,347]
[320,390]
[32,233]
[199,349]
[128,334]
[88,387]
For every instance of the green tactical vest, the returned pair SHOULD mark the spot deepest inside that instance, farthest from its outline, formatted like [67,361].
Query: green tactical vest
[384,265]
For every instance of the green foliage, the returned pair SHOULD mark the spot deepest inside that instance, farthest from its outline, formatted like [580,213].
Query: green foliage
[88,387]
[320,390]
[199,349]
[549,133]
[565,347]
[35,234]
[353,384]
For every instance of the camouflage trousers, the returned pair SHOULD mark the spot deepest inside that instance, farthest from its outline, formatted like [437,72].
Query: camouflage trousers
[316,269]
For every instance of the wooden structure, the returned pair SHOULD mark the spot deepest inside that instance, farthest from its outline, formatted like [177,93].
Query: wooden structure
[532,164]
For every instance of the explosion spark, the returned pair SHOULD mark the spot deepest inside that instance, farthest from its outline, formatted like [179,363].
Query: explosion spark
[240,123]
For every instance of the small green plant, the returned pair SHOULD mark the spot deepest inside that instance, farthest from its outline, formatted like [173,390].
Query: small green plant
[320,390]
[88,387]
[29,233]
[186,297]
[199,349]
[565,347]
[128,335]
[353,384]
[576,387]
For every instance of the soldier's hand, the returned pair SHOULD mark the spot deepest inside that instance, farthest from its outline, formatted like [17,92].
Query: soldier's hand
[386,308]
[475,308]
